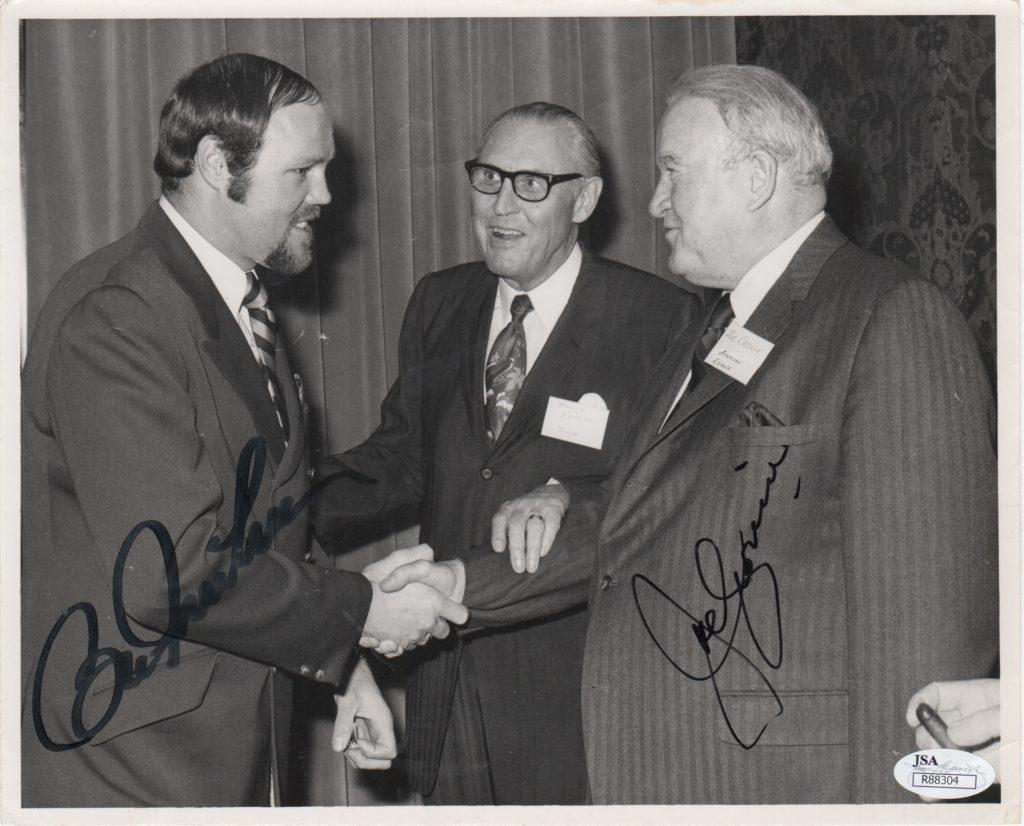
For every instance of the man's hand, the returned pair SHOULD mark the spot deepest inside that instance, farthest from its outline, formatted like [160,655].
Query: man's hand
[970,709]
[527,526]
[447,576]
[363,727]
[411,617]
[377,571]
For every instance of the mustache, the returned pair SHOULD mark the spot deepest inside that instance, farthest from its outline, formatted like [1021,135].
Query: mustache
[311,214]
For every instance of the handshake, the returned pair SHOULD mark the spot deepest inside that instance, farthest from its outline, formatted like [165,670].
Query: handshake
[414,599]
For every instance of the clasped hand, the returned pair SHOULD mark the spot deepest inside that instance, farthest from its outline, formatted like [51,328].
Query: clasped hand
[414,599]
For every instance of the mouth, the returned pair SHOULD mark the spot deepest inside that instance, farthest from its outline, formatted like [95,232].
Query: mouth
[505,234]
[305,222]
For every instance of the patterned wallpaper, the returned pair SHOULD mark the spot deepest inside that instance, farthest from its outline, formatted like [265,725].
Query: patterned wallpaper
[909,105]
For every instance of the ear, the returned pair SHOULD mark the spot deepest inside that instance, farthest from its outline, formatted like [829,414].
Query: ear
[210,163]
[586,199]
[764,174]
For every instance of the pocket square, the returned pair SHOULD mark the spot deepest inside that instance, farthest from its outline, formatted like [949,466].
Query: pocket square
[756,414]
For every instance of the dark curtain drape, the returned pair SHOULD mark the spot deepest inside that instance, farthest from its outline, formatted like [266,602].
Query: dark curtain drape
[409,99]
[909,104]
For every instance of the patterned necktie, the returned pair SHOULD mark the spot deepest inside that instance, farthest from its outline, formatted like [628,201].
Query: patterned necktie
[264,330]
[721,317]
[506,369]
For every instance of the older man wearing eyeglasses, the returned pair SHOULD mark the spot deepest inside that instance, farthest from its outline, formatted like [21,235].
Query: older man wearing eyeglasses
[513,371]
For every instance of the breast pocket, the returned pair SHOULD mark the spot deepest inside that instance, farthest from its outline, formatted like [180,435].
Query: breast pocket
[806,718]
[767,436]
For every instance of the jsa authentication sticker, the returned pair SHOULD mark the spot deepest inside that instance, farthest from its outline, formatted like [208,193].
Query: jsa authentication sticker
[582,422]
[944,773]
[739,353]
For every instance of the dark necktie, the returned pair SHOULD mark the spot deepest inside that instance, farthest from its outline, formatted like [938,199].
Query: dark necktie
[721,317]
[506,369]
[264,331]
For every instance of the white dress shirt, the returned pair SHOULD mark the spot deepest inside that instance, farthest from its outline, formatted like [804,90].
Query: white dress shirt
[548,300]
[227,277]
[755,284]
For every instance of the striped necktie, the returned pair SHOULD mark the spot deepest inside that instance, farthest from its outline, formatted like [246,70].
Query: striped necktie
[264,330]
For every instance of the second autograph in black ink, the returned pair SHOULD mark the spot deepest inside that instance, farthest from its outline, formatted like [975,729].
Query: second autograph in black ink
[721,623]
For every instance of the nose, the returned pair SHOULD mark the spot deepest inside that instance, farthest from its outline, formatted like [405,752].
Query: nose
[506,201]
[319,194]
[660,199]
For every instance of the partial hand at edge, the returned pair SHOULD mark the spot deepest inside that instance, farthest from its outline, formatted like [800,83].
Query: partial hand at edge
[527,526]
[970,709]
[363,725]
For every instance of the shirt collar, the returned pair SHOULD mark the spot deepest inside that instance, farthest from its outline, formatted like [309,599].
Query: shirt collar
[761,277]
[227,276]
[550,297]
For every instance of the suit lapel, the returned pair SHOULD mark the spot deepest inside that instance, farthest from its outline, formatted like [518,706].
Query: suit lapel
[769,321]
[476,324]
[296,449]
[224,344]
[579,324]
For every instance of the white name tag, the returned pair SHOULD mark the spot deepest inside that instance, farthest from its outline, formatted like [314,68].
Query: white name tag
[582,422]
[739,353]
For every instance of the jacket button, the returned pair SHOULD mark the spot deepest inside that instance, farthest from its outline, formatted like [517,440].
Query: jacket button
[311,473]
[607,582]
[486,473]
[304,669]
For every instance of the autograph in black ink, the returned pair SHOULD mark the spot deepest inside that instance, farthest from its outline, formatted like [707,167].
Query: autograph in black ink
[245,541]
[715,623]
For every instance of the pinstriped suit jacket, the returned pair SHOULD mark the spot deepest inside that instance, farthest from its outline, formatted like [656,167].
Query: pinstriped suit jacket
[785,587]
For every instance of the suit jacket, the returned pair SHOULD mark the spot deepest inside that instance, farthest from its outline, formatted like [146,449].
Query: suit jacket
[431,448]
[140,395]
[780,567]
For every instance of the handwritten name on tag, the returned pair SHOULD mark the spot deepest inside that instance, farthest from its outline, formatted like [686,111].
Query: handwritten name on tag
[582,422]
[739,353]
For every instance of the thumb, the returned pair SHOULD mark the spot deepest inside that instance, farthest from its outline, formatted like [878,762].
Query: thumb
[421,571]
[398,578]
[343,722]
[452,611]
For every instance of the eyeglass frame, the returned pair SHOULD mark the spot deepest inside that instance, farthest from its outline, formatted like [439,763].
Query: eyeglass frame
[552,180]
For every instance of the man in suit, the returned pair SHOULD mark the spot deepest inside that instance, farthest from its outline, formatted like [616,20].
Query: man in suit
[487,350]
[801,527]
[167,591]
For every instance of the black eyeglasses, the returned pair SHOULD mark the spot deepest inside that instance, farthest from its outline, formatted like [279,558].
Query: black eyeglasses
[530,186]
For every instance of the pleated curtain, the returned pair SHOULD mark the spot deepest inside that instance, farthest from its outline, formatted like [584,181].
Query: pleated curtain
[409,99]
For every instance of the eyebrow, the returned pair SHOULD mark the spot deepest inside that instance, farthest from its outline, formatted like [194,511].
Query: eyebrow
[311,160]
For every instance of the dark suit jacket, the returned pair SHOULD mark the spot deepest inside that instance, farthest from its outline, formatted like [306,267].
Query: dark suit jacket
[431,448]
[847,555]
[139,395]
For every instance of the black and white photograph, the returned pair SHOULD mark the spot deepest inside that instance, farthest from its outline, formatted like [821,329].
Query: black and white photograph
[533,411]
